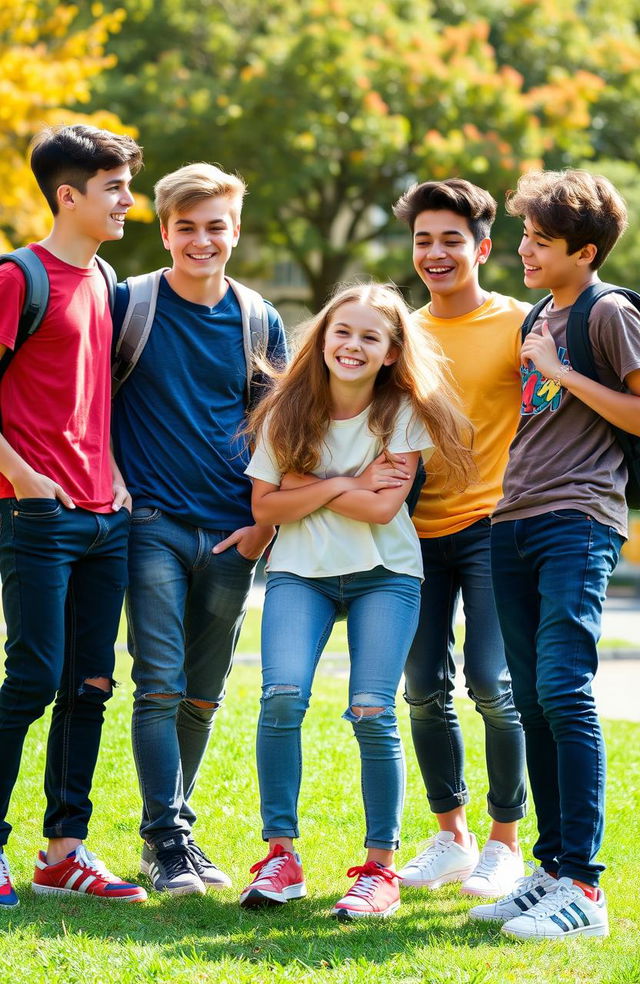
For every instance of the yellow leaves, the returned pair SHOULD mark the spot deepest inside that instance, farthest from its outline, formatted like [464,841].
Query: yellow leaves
[45,65]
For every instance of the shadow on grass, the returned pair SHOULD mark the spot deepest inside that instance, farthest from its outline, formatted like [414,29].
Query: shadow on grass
[215,928]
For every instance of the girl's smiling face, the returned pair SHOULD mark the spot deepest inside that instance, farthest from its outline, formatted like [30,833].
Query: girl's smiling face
[357,343]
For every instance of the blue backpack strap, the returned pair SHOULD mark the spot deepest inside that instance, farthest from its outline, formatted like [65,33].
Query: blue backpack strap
[36,298]
[532,316]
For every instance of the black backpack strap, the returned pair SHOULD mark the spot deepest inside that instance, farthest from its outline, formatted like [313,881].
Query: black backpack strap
[36,298]
[111,280]
[578,341]
[532,316]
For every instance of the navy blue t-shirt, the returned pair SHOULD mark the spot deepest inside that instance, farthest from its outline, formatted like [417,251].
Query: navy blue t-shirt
[176,418]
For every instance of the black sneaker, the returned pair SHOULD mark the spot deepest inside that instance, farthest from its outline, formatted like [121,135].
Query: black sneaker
[210,874]
[169,869]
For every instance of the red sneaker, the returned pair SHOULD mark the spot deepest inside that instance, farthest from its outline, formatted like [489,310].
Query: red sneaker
[83,874]
[279,878]
[375,893]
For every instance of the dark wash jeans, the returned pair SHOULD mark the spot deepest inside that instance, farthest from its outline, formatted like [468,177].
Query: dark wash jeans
[64,573]
[460,563]
[550,576]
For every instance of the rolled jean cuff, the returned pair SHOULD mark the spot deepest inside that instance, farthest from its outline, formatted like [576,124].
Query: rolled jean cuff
[58,830]
[577,873]
[382,845]
[504,814]
[449,803]
[292,832]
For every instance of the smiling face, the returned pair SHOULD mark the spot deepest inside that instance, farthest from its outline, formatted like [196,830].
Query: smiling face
[100,210]
[201,238]
[445,254]
[548,265]
[357,343]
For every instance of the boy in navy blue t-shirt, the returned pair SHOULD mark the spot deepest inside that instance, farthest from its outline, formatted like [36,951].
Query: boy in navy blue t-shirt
[194,545]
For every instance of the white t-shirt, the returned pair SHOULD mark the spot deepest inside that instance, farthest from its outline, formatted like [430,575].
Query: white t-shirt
[325,544]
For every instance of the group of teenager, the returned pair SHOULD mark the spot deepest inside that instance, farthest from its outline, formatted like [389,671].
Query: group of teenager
[216,442]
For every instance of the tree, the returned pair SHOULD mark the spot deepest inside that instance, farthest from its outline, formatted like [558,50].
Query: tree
[330,108]
[46,64]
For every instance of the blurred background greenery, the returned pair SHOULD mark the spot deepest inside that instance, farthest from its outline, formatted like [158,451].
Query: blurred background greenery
[329,109]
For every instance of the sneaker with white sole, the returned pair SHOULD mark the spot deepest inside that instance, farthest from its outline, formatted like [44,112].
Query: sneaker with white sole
[8,897]
[279,878]
[563,913]
[527,893]
[497,871]
[374,893]
[169,868]
[209,873]
[442,861]
[82,873]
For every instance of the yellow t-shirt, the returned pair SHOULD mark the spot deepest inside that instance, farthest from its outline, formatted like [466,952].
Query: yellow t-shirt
[483,348]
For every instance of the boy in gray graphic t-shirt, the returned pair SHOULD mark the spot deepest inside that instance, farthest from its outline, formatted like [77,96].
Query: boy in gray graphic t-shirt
[556,537]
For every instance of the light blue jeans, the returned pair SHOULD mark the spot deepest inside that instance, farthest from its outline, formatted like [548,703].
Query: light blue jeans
[381,609]
[185,608]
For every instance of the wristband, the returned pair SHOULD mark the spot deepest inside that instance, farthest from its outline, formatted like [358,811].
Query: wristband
[561,374]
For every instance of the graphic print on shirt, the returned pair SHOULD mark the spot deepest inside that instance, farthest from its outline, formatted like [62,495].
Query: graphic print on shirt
[538,392]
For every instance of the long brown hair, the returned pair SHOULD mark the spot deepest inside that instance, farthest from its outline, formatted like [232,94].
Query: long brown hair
[298,407]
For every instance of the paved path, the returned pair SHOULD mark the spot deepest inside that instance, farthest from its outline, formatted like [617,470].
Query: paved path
[617,684]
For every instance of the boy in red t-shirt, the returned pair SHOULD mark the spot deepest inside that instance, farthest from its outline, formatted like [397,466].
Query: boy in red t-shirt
[63,528]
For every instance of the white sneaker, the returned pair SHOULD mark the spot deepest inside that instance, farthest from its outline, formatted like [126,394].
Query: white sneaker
[442,861]
[563,913]
[526,893]
[497,871]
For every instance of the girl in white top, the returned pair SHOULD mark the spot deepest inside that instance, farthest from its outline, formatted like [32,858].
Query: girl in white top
[338,443]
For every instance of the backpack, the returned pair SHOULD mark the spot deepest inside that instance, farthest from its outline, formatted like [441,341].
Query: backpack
[36,297]
[581,358]
[138,321]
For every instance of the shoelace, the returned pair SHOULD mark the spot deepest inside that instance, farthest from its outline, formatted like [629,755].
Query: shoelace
[433,850]
[551,903]
[4,871]
[87,859]
[272,863]
[175,862]
[368,874]
[526,883]
[490,858]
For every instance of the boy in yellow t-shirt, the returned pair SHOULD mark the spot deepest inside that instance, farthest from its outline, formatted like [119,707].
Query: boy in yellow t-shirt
[479,332]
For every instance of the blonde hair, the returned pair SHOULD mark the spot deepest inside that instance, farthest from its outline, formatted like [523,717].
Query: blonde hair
[298,407]
[181,189]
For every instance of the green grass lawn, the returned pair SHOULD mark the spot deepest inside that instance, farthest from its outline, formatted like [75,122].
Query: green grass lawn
[195,940]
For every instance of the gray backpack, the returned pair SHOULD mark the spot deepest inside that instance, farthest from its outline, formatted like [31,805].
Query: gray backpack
[138,320]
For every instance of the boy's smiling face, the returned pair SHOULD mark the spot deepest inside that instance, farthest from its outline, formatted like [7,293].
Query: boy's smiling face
[445,254]
[547,263]
[201,238]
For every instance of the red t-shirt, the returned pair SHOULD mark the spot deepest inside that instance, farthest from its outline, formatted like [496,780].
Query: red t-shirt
[55,397]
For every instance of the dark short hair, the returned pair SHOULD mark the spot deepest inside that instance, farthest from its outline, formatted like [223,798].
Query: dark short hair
[73,154]
[573,205]
[476,205]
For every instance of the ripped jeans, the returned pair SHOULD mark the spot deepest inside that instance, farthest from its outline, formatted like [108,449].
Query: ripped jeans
[381,610]
[64,573]
[185,608]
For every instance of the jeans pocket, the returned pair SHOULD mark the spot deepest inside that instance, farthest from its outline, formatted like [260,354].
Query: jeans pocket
[572,515]
[145,514]
[247,560]
[34,509]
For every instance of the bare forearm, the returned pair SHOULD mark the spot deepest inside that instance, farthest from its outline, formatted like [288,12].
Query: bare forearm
[620,409]
[368,507]
[289,505]
[12,466]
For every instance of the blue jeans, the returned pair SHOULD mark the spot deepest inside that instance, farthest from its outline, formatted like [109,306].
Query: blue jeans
[381,610]
[64,573]
[550,575]
[455,564]
[185,607]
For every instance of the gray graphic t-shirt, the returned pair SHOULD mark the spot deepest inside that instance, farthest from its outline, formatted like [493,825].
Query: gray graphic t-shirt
[564,454]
